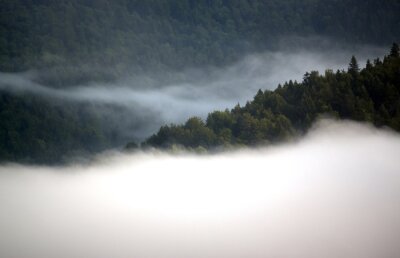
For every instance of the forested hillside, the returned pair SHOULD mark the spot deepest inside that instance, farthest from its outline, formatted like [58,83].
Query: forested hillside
[34,130]
[81,40]
[67,43]
[370,95]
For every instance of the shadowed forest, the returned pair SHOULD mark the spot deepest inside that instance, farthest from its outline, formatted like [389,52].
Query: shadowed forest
[52,46]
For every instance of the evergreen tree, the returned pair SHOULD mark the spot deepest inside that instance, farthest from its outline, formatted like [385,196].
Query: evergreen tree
[369,95]
[353,66]
[394,51]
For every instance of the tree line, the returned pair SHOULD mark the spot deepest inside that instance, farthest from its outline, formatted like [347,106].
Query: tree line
[371,94]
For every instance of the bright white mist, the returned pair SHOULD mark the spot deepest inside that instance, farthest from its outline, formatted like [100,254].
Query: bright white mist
[333,194]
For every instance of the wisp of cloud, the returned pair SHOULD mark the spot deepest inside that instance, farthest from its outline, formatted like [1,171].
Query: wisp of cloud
[334,193]
[152,101]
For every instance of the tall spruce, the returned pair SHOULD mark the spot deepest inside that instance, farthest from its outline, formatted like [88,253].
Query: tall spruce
[394,51]
[353,66]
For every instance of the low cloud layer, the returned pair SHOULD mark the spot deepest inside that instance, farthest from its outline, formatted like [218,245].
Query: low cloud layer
[333,194]
[172,98]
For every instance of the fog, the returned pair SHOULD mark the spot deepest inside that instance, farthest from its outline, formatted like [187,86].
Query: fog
[149,101]
[334,193]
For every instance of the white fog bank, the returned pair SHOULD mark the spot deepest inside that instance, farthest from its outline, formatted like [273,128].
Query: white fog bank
[333,194]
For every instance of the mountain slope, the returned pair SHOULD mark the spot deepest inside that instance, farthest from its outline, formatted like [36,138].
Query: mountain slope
[371,95]
[81,40]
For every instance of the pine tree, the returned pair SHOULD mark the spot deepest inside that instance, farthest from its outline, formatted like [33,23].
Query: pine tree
[353,66]
[394,51]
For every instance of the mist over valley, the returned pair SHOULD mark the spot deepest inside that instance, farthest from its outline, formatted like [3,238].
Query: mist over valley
[334,193]
[143,103]
[199,129]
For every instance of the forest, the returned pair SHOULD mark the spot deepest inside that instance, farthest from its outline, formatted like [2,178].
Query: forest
[371,94]
[75,40]
[64,43]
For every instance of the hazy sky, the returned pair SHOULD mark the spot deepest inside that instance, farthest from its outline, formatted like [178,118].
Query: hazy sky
[153,100]
[333,194]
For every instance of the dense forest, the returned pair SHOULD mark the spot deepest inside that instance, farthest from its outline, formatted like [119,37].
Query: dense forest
[33,129]
[371,94]
[79,40]
[64,43]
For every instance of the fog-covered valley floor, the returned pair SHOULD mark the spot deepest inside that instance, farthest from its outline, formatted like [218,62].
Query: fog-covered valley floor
[334,193]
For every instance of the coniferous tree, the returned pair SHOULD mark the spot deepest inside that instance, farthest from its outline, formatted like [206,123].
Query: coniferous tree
[370,95]
[394,51]
[353,66]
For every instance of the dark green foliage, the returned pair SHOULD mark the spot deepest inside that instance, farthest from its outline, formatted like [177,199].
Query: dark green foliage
[34,130]
[394,51]
[353,66]
[372,95]
[131,146]
[193,134]
[70,42]
[76,39]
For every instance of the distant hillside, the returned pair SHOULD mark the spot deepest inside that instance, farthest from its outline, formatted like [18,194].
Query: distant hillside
[73,42]
[35,130]
[81,40]
[371,95]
